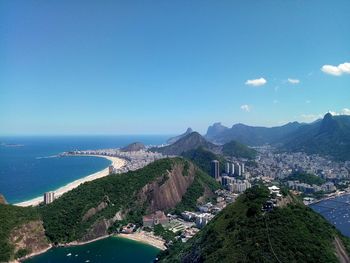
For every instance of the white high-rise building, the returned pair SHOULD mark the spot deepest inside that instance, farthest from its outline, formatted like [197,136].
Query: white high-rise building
[232,169]
[49,197]
[239,171]
[227,168]
[243,170]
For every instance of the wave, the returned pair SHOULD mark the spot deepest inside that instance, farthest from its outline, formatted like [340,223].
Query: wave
[47,157]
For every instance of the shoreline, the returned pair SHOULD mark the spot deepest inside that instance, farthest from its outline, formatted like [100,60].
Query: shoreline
[144,237]
[140,237]
[116,162]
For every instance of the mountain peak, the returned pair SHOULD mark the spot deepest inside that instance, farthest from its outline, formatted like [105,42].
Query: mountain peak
[176,138]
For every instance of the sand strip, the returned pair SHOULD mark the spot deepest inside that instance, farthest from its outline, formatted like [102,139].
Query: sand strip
[116,162]
[145,237]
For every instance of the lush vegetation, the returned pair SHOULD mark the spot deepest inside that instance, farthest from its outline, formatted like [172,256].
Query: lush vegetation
[236,149]
[243,233]
[330,136]
[306,178]
[201,182]
[12,217]
[63,219]
[166,234]
[203,157]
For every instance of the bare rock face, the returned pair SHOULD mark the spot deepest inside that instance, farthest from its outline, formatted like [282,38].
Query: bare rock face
[92,211]
[99,229]
[167,192]
[29,238]
[2,200]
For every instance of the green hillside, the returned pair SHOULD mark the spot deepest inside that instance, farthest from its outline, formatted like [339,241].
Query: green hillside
[243,233]
[329,136]
[203,157]
[10,218]
[239,150]
[66,219]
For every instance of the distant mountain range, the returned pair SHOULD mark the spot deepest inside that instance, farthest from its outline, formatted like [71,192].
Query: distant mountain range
[194,141]
[250,135]
[327,136]
[186,143]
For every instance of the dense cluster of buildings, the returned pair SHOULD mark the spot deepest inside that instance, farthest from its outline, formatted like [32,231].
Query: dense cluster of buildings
[310,189]
[134,159]
[280,165]
[234,177]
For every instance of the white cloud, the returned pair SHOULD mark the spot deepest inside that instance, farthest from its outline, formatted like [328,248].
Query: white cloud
[313,117]
[246,108]
[256,82]
[294,81]
[339,70]
[344,111]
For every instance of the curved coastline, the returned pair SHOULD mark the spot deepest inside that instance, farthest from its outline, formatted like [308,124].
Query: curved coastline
[115,161]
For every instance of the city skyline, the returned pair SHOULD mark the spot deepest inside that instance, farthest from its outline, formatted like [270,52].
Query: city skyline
[137,68]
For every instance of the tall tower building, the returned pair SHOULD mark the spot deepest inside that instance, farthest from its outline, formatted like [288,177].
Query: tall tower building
[227,168]
[232,169]
[215,169]
[110,169]
[238,170]
[49,197]
[243,171]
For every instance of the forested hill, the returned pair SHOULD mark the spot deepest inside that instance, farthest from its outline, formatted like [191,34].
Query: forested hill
[329,136]
[243,233]
[96,208]
[100,207]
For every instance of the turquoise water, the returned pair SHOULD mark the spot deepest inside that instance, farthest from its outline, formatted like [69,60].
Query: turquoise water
[111,249]
[30,167]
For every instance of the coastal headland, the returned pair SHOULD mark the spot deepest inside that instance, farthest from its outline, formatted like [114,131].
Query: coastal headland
[116,162]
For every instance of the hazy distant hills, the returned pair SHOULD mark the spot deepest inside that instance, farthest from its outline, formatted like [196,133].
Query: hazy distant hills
[194,141]
[250,135]
[328,136]
[134,147]
[189,142]
[176,138]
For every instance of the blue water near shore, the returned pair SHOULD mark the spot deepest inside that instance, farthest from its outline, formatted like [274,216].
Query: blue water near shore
[112,249]
[337,212]
[29,166]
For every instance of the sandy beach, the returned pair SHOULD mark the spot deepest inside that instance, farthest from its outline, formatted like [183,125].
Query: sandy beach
[145,237]
[116,162]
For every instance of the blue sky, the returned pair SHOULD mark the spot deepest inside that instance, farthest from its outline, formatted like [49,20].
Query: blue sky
[156,67]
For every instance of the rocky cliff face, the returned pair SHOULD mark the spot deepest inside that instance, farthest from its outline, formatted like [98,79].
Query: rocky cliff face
[29,238]
[167,192]
[2,200]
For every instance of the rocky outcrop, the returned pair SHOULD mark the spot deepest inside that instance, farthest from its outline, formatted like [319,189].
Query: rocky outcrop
[134,147]
[2,200]
[167,192]
[92,211]
[29,238]
[98,229]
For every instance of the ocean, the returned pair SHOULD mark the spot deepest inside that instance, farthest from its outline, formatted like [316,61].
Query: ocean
[337,212]
[29,165]
[112,249]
